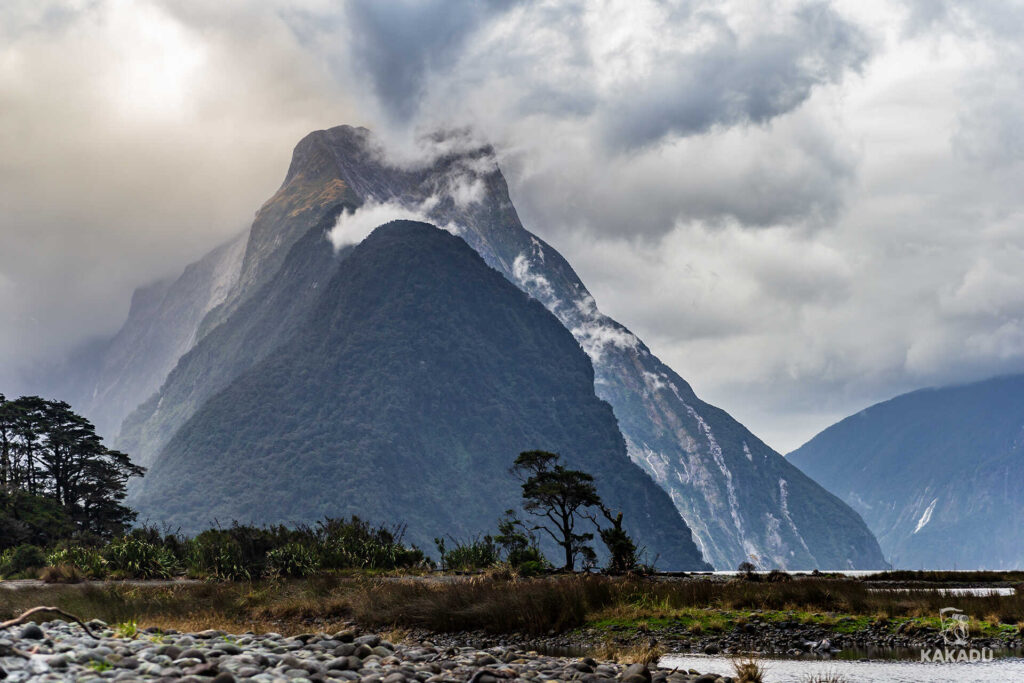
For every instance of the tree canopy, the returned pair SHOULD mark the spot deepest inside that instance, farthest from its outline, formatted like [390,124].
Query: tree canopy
[56,476]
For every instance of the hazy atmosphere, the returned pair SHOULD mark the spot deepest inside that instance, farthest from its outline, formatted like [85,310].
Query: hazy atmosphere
[802,207]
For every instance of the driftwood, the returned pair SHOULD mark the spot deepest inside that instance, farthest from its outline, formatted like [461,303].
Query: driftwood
[56,610]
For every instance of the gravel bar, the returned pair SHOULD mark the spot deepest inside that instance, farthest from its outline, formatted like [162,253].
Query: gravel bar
[59,651]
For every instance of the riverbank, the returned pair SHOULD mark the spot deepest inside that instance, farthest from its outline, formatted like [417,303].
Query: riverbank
[577,615]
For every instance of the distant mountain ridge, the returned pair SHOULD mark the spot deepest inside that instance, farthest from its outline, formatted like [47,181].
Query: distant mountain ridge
[404,395]
[935,473]
[108,379]
[742,500]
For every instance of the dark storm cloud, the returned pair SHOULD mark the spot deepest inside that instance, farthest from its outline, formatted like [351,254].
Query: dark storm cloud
[398,44]
[736,79]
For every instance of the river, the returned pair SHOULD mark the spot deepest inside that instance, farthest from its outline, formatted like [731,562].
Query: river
[999,670]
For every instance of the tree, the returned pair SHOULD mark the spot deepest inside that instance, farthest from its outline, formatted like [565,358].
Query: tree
[621,548]
[559,496]
[49,452]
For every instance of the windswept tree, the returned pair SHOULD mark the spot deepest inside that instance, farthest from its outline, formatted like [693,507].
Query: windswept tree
[558,498]
[52,459]
[622,553]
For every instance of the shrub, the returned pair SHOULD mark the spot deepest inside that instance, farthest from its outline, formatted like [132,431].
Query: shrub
[518,542]
[216,555]
[172,541]
[355,544]
[88,561]
[21,560]
[292,559]
[132,557]
[533,567]
[747,569]
[476,553]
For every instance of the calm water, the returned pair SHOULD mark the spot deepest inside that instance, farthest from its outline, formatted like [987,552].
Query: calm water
[983,591]
[852,573]
[1001,670]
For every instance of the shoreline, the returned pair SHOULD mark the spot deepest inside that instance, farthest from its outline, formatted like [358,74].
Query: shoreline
[58,651]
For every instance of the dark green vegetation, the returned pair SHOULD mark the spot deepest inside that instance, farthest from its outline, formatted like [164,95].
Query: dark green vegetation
[236,553]
[514,547]
[935,474]
[418,376]
[504,604]
[57,479]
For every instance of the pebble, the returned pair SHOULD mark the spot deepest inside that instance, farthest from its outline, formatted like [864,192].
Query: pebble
[59,651]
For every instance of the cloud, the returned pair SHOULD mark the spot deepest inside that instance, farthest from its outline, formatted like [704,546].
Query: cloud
[352,227]
[399,45]
[751,69]
[803,207]
[135,136]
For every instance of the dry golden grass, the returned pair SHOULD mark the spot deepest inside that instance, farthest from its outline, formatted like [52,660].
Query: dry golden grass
[63,573]
[395,635]
[748,671]
[495,602]
[628,654]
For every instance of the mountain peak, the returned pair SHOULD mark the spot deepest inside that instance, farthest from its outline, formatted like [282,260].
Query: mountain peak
[741,499]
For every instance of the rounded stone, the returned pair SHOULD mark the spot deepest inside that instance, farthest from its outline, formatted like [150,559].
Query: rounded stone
[192,653]
[32,632]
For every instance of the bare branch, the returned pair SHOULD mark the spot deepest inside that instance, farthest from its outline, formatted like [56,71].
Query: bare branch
[549,533]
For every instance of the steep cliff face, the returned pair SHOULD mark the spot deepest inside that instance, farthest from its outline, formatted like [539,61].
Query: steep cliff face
[405,395]
[107,380]
[935,473]
[742,500]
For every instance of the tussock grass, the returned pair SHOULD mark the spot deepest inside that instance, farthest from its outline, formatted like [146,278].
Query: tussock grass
[748,671]
[532,606]
[61,573]
[648,653]
[502,602]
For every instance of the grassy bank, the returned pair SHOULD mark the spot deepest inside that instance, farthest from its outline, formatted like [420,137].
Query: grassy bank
[502,604]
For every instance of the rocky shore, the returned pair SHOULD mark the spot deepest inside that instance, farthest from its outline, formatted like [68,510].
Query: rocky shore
[755,638]
[59,651]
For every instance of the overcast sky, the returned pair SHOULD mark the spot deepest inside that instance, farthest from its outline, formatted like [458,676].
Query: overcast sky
[803,207]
